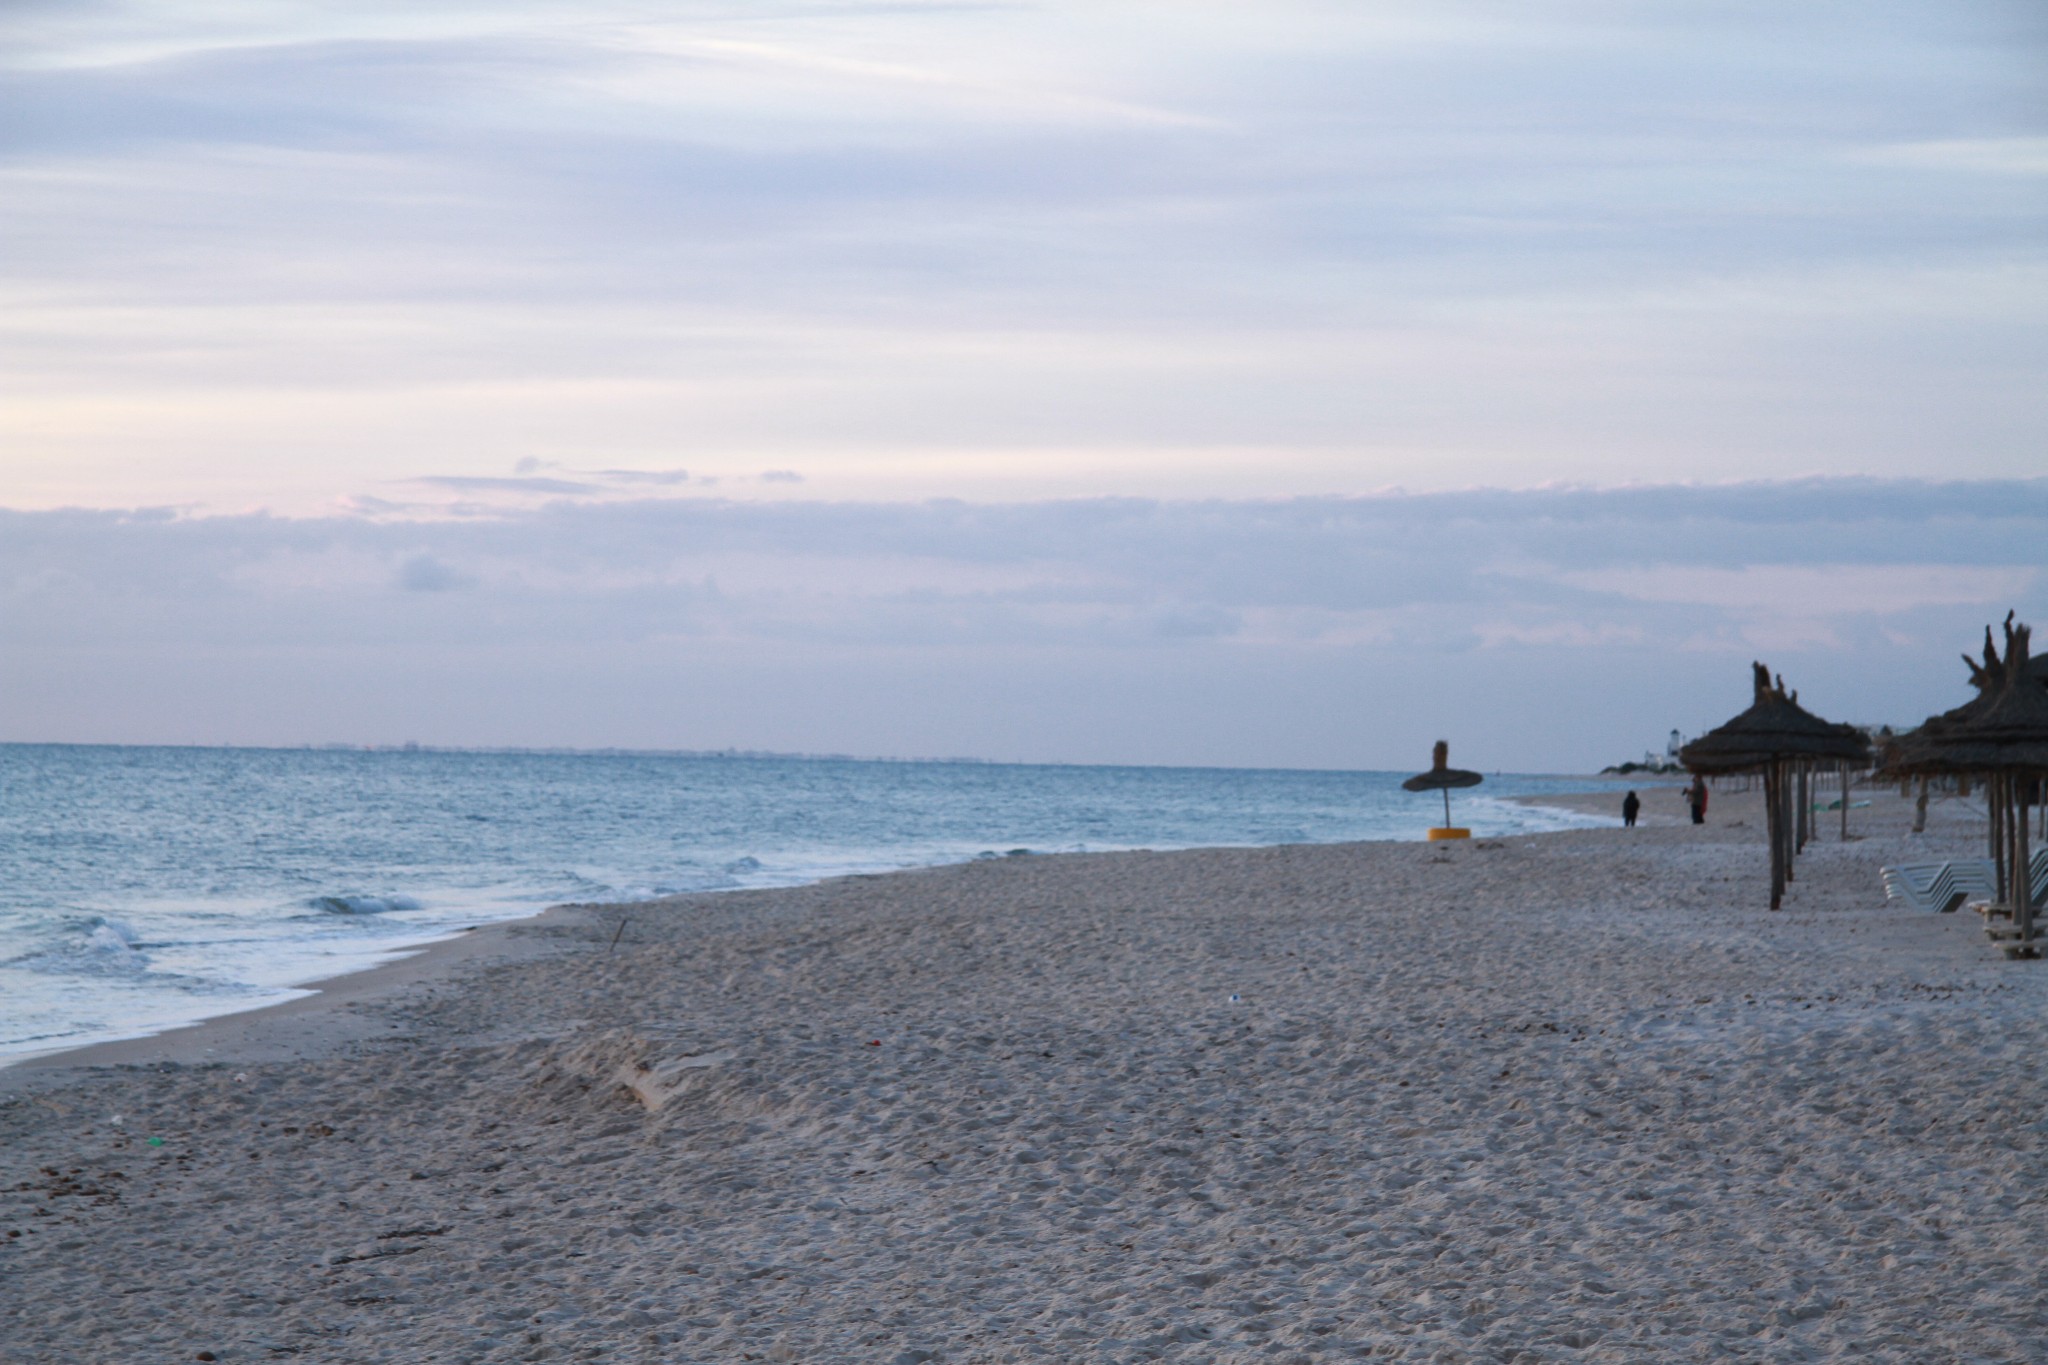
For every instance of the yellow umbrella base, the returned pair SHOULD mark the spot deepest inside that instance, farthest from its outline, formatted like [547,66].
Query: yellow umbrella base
[1449,832]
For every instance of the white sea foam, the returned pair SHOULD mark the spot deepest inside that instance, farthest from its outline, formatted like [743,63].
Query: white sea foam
[363,905]
[112,936]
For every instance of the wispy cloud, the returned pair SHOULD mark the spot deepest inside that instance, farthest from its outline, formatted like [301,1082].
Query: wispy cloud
[1014,251]
[525,484]
[1810,589]
[660,478]
[1984,155]
[933,89]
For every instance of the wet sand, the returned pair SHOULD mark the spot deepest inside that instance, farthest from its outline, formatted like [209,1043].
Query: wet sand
[1571,1096]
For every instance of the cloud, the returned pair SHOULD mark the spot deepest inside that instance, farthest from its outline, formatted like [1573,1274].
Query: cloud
[1000,251]
[1579,623]
[424,573]
[1805,589]
[1983,155]
[659,478]
[855,80]
[466,483]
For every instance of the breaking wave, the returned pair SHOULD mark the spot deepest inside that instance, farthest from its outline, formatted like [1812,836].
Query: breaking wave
[362,905]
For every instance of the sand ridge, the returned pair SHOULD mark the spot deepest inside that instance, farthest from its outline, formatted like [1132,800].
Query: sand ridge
[1564,1097]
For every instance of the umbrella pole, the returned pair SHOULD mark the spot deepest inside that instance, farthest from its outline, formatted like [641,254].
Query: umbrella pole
[2001,833]
[1805,808]
[1789,785]
[1774,819]
[1795,836]
[1845,803]
[1791,816]
[2017,896]
[1447,807]
[2008,803]
[2022,882]
[1788,845]
[1795,783]
[1996,827]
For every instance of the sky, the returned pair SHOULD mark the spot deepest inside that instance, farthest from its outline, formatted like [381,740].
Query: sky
[1122,382]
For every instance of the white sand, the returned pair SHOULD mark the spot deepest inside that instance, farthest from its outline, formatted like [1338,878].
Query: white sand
[1569,1097]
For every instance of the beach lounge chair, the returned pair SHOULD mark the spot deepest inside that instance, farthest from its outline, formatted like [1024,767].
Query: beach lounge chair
[2038,875]
[1999,918]
[1941,886]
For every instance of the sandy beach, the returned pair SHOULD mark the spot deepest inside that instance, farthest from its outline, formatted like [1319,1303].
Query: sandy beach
[1563,1097]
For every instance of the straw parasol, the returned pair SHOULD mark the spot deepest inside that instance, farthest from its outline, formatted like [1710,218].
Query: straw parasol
[2003,735]
[1442,777]
[1919,752]
[1923,751]
[1772,736]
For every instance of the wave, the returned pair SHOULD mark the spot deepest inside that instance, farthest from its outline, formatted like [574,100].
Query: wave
[112,936]
[107,948]
[362,905]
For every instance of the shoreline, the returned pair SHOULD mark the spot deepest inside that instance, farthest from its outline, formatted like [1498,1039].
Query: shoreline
[1562,1096]
[227,1036]
[306,1026]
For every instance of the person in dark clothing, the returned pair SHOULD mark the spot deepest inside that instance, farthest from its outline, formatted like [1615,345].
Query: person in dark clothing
[1696,797]
[1630,805]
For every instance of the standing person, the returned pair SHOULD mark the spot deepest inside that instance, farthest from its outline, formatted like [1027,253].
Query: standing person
[1630,804]
[1696,797]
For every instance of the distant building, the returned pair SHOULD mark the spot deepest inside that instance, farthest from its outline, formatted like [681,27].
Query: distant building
[1653,762]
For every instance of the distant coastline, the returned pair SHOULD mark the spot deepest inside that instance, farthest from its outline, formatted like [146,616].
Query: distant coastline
[751,755]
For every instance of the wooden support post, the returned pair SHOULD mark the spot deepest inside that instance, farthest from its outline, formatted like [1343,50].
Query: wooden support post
[1799,809]
[1994,801]
[2022,881]
[1774,822]
[1788,800]
[1798,830]
[1802,808]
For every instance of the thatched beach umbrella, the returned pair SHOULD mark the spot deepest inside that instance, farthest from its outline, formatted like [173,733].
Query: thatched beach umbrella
[1442,777]
[1918,752]
[2002,735]
[1773,737]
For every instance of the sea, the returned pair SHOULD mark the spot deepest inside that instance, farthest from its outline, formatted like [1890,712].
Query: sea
[145,888]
